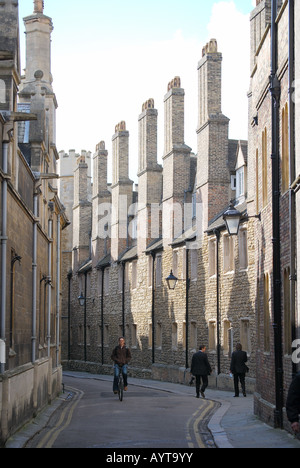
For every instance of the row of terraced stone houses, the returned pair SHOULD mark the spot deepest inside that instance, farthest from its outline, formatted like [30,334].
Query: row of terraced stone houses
[126,240]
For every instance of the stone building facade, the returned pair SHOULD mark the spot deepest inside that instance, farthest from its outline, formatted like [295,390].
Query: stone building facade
[297,164]
[125,242]
[271,192]
[31,222]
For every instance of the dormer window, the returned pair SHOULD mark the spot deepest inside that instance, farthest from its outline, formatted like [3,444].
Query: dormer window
[241,172]
[240,183]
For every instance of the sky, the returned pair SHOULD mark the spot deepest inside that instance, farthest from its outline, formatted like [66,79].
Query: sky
[109,57]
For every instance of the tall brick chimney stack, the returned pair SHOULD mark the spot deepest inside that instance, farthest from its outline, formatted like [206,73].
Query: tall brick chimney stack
[212,171]
[100,169]
[177,156]
[150,175]
[121,190]
[101,202]
[38,6]
[82,214]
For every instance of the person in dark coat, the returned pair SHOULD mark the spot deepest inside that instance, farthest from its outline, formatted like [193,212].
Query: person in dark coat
[201,369]
[238,368]
[293,404]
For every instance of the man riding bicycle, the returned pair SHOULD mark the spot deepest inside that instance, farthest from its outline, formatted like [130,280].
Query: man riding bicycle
[121,356]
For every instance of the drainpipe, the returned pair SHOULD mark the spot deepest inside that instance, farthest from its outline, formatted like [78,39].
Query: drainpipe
[102,314]
[153,254]
[34,278]
[123,298]
[69,314]
[58,291]
[85,318]
[49,286]
[292,195]
[218,235]
[3,260]
[188,282]
[277,283]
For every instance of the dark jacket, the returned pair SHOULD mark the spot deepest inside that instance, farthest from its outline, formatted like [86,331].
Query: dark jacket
[121,356]
[238,362]
[200,364]
[293,400]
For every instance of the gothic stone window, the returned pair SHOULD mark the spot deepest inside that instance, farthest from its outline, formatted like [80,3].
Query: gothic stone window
[134,275]
[226,336]
[159,335]
[194,264]
[194,336]
[158,270]
[174,335]
[228,246]
[212,257]
[212,335]
[245,334]
[243,249]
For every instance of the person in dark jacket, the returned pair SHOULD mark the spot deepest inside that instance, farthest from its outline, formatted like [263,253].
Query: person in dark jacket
[238,368]
[293,404]
[121,356]
[201,369]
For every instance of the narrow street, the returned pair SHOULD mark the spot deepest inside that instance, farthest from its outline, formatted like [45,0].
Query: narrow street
[91,416]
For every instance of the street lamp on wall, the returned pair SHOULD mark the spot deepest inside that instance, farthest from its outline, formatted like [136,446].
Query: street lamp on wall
[81,299]
[171,281]
[233,218]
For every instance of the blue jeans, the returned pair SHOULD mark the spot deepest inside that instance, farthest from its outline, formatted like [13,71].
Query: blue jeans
[116,376]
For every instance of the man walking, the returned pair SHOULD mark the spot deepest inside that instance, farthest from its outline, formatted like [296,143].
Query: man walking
[238,368]
[201,369]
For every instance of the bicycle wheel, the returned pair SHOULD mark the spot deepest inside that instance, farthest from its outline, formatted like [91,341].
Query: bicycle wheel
[121,387]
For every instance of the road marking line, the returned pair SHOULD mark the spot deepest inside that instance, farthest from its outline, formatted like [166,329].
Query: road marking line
[200,443]
[194,422]
[51,436]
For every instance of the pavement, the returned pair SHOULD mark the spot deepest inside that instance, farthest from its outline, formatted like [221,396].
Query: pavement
[233,425]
